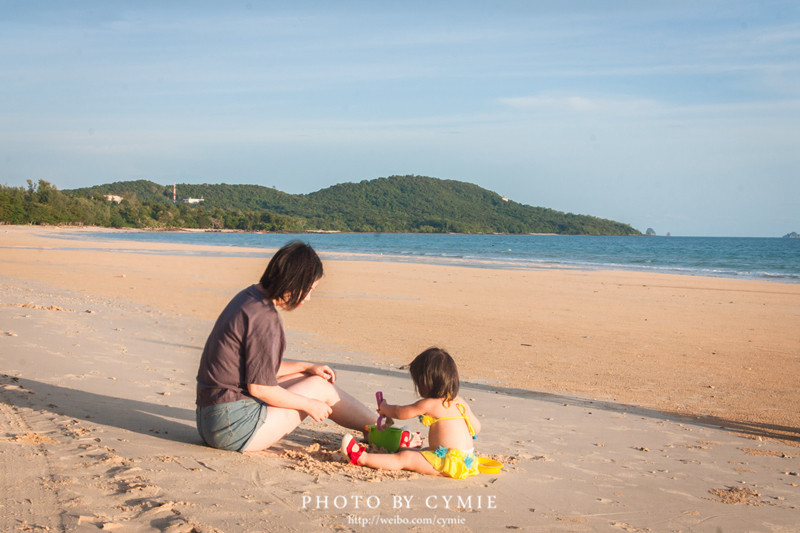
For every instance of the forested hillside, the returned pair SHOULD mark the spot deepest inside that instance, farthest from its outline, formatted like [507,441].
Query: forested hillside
[420,204]
[396,204]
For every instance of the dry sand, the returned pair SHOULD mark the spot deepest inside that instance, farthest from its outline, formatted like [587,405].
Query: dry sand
[578,377]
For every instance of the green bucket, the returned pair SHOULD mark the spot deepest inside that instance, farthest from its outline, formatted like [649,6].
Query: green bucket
[389,439]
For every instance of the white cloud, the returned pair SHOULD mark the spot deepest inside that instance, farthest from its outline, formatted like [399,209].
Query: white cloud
[581,104]
[571,103]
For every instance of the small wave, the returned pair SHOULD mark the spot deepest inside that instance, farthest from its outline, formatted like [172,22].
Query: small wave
[776,276]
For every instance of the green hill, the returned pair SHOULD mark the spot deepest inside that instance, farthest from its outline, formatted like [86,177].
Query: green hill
[414,204]
[421,204]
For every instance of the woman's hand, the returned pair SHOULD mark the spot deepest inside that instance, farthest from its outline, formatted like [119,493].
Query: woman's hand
[318,410]
[323,371]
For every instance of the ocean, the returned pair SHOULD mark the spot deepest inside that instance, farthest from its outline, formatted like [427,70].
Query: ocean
[772,259]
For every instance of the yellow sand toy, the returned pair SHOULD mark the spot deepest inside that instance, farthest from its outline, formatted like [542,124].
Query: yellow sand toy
[489,466]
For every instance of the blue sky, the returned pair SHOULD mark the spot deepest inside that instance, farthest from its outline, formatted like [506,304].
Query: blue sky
[680,116]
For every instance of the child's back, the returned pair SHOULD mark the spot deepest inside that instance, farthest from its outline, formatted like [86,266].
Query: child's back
[452,424]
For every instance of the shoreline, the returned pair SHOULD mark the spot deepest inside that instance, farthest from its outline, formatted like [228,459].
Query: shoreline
[518,263]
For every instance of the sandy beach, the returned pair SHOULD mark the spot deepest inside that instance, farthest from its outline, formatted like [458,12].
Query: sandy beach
[618,401]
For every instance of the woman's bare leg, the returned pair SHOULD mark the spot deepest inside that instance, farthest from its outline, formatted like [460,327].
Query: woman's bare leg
[351,413]
[347,411]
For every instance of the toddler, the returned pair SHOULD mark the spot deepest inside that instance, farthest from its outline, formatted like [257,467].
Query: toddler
[452,424]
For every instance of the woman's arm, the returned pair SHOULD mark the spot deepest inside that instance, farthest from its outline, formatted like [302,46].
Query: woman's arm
[312,369]
[277,396]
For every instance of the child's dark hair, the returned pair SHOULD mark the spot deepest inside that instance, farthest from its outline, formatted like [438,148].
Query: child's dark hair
[435,374]
[291,273]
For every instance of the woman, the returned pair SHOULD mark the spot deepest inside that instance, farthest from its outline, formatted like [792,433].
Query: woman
[248,397]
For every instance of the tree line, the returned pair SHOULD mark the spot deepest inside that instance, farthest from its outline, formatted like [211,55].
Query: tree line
[42,203]
[413,204]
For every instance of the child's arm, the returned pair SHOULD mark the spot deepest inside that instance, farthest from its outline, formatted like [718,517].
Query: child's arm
[476,424]
[404,412]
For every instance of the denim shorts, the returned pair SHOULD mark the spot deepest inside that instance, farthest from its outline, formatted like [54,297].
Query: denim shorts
[230,426]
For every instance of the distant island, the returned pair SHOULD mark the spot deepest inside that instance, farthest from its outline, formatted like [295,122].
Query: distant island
[792,235]
[397,204]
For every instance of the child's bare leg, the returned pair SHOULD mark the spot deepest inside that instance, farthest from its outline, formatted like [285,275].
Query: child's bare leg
[403,460]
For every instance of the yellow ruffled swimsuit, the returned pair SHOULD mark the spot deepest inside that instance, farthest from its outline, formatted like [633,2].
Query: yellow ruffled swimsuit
[452,462]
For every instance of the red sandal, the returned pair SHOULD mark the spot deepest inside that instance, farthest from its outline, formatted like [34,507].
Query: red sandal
[352,449]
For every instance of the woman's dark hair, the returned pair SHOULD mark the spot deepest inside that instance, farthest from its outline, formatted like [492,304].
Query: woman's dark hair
[435,374]
[291,273]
